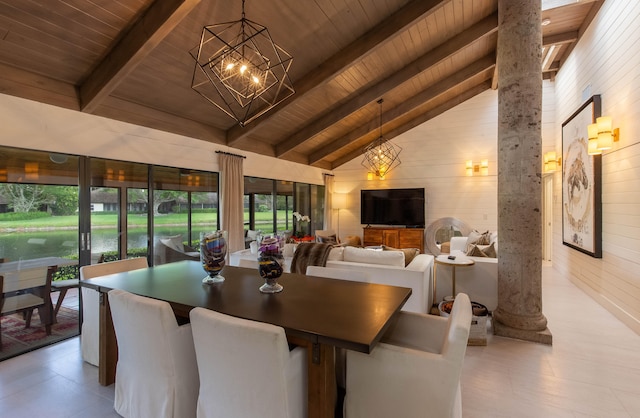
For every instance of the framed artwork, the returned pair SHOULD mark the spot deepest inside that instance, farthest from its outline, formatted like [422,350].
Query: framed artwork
[581,183]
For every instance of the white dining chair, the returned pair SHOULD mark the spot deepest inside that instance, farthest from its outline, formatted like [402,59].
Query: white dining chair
[89,337]
[250,264]
[246,368]
[415,370]
[156,373]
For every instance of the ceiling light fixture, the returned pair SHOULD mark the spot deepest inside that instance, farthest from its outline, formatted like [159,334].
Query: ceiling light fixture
[381,156]
[240,70]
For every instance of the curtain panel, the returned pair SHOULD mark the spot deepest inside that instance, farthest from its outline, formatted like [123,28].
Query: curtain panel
[328,196]
[232,199]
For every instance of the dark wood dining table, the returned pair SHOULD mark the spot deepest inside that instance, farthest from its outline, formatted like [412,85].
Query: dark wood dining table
[317,313]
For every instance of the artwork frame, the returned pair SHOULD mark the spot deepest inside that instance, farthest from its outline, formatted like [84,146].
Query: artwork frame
[581,182]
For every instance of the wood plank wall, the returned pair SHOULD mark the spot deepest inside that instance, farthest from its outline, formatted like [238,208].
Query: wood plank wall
[605,62]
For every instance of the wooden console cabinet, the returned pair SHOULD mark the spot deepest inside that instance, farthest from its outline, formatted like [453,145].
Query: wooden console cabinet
[394,237]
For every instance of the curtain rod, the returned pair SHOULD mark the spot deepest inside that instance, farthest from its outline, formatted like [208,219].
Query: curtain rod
[328,174]
[229,153]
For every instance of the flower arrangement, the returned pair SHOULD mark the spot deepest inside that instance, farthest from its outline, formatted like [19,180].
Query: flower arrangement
[302,220]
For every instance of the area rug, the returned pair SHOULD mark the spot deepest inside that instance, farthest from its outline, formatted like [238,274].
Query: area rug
[16,339]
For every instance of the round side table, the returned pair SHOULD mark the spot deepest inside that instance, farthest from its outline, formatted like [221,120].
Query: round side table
[459,261]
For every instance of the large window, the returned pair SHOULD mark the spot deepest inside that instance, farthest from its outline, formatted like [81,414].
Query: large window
[38,205]
[42,214]
[269,205]
[118,209]
[185,203]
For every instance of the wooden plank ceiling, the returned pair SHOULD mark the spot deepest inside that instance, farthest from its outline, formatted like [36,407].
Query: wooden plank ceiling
[129,60]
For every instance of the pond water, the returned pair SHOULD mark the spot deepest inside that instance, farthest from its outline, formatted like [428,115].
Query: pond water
[63,243]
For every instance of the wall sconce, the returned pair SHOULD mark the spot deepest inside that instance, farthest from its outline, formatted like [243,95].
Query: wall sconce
[602,135]
[484,167]
[469,168]
[477,169]
[551,162]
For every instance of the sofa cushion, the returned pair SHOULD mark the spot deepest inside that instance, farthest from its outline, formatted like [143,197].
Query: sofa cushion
[409,253]
[336,253]
[363,255]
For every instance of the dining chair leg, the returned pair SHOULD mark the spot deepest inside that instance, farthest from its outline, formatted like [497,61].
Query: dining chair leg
[27,317]
[61,295]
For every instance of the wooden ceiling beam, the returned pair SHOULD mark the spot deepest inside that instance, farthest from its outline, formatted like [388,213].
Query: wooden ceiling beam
[152,27]
[437,89]
[561,38]
[430,114]
[361,99]
[32,86]
[383,32]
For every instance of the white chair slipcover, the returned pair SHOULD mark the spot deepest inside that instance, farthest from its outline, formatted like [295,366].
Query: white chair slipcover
[156,374]
[246,368]
[89,339]
[416,371]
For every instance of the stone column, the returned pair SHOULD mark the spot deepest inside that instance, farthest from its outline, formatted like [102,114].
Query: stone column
[519,311]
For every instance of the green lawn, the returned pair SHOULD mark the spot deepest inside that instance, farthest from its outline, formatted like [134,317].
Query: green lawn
[107,219]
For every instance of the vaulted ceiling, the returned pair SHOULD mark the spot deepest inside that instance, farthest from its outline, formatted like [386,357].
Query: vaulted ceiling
[129,60]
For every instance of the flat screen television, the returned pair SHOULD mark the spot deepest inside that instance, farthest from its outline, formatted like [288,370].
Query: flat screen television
[393,207]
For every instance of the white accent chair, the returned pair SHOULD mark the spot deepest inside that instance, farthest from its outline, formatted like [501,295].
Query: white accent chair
[156,374]
[327,235]
[246,368]
[90,336]
[415,370]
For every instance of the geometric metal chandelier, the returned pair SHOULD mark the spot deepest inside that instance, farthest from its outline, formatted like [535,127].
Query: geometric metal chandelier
[381,156]
[240,70]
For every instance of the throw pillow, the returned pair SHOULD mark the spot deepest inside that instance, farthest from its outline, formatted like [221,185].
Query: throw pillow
[485,239]
[490,251]
[331,239]
[474,251]
[409,253]
[353,240]
[478,238]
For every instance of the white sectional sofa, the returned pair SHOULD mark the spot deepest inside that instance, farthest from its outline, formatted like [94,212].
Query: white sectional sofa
[479,281]
[385,267]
